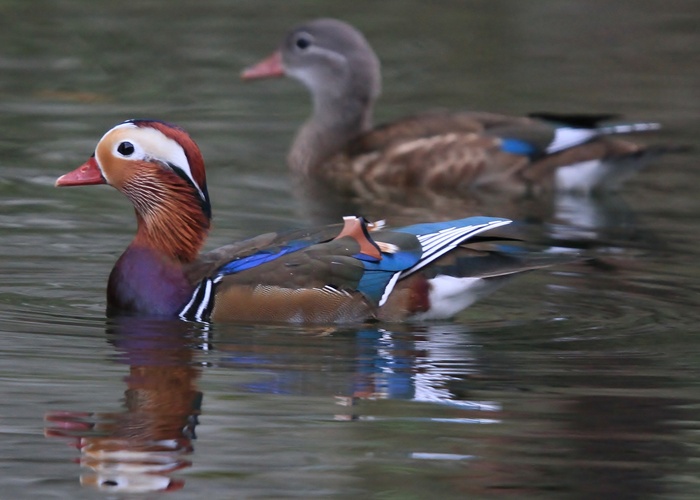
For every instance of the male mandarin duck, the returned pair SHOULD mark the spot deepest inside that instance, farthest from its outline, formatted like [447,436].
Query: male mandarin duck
[456,151]
[336,274]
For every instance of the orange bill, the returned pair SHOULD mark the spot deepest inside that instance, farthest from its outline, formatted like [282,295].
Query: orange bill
[270,67]
[86,174]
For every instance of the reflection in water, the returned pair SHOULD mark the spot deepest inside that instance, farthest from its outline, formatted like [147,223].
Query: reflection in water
[620,435]
[569,220]
[324,203]
[601,221]
[138,449]
[478,420]
[419,368]
[433,396]
[613,436]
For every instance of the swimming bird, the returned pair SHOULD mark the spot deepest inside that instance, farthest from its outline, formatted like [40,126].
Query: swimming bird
[450,151]
[354,272]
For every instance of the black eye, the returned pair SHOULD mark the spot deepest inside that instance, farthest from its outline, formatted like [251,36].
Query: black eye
[303,43]
[125,148]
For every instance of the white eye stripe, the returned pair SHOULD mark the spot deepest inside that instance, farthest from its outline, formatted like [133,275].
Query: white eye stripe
[137,152]
[151,144]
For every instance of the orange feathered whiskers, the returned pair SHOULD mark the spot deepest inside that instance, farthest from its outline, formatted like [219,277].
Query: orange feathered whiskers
[169,213]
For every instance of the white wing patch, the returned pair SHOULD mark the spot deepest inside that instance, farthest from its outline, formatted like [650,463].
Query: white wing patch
[435,245]
[582,177]
[450,295]
[566,137]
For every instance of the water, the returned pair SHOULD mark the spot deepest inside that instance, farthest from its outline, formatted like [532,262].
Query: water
[576,382]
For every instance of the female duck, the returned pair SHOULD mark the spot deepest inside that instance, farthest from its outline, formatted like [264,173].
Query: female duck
[440,150]
[351,273]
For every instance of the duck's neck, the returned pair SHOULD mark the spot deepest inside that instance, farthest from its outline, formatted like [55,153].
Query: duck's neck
[149,278]
[336,120]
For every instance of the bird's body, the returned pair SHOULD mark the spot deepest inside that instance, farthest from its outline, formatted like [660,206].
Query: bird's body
[454,151]
[346,273]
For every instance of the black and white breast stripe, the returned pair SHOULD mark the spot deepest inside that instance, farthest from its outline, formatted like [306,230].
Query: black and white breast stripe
[202,301]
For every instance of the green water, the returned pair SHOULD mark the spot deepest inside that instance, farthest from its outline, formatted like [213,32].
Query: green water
[576,382]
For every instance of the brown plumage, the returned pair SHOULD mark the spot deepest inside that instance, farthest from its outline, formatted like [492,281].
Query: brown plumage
[444,151]
[335,274]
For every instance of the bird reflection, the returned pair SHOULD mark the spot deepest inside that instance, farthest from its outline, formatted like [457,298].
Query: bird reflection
[518,420]
[139,448]
[598,221]
[417,363]
[323,203]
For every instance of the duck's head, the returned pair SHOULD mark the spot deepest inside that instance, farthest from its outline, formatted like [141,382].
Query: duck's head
[330,57]
[160,169]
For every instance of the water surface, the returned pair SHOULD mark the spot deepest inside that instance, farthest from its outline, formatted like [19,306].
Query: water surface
[575,382]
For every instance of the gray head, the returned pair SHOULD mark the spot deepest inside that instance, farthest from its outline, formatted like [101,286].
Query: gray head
[340,69]
[333,60]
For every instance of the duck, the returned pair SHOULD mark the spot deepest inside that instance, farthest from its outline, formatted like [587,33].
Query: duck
[351,272]
[451,151]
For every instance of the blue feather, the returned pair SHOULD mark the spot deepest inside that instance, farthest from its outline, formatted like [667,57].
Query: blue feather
[378,274]
[518,147]
[373,284]
[261,257]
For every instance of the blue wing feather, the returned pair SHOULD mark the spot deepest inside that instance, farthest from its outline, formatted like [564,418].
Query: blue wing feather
[432,240]
[518,147]
[262,257]
[378,275]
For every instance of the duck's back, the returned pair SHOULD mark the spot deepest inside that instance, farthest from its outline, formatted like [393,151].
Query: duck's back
[437,150]
[463,151]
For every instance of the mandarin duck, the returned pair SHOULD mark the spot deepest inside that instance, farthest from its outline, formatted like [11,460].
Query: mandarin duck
[353,272]
[443,151]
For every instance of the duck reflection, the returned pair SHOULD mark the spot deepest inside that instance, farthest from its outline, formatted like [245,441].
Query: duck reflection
[417,363]
[596,222]
[527,425]
[323,203]
[138,449]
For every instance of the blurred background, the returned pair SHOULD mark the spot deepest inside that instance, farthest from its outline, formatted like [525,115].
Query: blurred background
[578,381]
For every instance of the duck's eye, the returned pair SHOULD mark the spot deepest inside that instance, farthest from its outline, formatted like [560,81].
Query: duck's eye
[125,148]
[302,43]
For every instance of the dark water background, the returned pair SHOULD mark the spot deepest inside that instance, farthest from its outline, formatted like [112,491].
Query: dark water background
[575,383]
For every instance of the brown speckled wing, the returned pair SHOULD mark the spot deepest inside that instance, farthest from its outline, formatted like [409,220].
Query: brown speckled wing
[460,152]
[289,305]
[316,284]
[454,161]
[207,263]
[440,151]
[432,124]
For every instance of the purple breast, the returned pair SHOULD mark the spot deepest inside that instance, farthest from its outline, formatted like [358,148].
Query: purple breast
[147,283]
